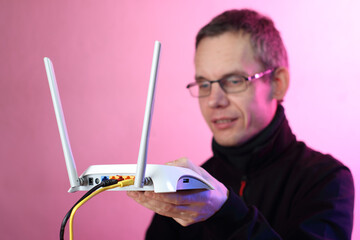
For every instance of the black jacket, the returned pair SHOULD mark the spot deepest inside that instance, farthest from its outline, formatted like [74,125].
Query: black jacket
[279,189]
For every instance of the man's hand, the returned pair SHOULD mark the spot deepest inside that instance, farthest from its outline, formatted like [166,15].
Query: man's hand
[188,206]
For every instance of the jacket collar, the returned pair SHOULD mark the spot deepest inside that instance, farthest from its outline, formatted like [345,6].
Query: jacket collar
[262,149]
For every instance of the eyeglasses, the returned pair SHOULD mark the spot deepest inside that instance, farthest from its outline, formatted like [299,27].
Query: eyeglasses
[230,84]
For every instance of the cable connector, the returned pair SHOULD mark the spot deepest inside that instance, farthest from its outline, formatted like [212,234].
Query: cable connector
[108,182]
[126,182]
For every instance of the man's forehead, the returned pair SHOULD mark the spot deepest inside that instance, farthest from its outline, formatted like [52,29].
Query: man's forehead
[227,53]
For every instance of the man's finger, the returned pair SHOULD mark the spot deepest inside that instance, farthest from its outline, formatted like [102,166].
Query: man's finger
[163,208]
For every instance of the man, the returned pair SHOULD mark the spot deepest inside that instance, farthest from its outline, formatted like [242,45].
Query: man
[267,184]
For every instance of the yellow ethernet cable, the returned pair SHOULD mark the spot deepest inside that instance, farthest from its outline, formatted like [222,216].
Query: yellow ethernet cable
[122,183]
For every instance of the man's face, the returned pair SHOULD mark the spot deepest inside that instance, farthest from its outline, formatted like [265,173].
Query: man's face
[236,117]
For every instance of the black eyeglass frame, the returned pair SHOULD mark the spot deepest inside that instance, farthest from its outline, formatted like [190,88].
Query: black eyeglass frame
[249,79]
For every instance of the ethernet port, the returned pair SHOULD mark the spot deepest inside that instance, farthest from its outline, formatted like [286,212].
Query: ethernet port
[104,178]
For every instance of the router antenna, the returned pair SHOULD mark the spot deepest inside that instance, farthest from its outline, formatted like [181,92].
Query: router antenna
[70,164]
[141,163]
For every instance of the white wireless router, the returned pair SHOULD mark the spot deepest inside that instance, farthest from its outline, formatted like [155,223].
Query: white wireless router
[157,178]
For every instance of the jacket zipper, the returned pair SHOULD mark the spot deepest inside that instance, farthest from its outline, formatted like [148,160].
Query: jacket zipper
[242,186]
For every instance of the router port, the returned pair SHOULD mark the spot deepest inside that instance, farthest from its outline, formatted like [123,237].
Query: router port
[91,181]
[116,177]
[97,181]
[104,178]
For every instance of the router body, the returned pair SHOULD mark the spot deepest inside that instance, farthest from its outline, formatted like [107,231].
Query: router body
[163,178]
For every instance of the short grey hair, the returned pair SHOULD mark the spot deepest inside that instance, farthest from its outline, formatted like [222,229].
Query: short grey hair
[266,41]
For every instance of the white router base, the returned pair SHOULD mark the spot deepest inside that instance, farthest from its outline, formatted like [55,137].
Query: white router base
[164,178]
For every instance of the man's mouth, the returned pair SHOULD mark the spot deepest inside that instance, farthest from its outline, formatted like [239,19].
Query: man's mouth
[224,123]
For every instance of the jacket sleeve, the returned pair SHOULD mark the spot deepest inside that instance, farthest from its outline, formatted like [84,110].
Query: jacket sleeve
[237,221]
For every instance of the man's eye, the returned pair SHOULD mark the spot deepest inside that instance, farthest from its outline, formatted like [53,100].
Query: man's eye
[204,85]
[234,81]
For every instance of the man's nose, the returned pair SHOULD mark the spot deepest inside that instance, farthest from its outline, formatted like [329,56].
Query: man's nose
[218,97]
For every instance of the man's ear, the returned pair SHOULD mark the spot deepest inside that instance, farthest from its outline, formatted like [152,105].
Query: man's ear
[280,83]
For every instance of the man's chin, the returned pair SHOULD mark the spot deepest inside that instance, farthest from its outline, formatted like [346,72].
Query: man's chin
[226,142]
[230,140]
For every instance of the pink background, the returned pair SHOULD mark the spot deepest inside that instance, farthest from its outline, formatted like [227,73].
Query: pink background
[102,53]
